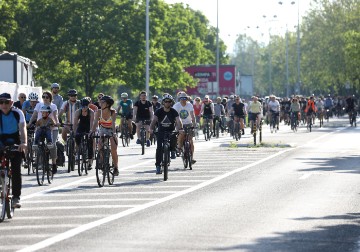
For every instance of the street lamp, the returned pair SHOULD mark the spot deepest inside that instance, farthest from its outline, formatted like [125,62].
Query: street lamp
[217,48]
[147,70]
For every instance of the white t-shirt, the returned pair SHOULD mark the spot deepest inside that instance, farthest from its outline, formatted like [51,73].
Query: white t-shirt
[184,112]
[274,106]
[53,109]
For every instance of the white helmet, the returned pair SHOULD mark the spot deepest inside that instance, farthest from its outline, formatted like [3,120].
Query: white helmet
[124,95]
[33,96]
[167,97]
[45,108]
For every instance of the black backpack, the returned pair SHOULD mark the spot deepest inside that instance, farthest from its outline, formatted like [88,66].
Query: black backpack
[60,149]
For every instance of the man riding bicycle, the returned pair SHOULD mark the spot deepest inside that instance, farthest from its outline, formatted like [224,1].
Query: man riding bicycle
[143,111]
[13,131]
[255,108]
[187,117]
[274,110]
[126,110]
[167,117]
[239,112]
[207,110]
[69,107]
[310,109]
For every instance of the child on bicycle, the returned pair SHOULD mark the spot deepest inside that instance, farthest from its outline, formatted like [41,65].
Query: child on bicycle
[44,125]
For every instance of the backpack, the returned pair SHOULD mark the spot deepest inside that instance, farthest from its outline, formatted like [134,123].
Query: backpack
[60,149]
[16,115]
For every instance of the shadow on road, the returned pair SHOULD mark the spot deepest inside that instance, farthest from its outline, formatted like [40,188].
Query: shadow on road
[346,164]
[344,237]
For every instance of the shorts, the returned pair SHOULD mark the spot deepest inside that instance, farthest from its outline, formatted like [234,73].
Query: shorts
[129,116]
[253,116]
[239,116]
[139,120]
[105,131]
[208,116]
[191,131]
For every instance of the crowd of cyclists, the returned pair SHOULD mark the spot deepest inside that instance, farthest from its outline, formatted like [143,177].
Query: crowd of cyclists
[52,114]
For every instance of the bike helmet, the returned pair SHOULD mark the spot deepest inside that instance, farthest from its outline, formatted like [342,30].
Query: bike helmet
[84,102]
[72,92]
[33,96]
[155,97]
[183,95]
[45,108]
[108,99]
[55,85]
[168,97]
[124,95]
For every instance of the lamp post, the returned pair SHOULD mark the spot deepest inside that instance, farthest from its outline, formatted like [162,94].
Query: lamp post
[287,55]
[217,49]
[147,70]
[298,48]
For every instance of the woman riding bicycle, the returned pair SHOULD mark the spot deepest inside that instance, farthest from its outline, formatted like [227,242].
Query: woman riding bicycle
[105,118]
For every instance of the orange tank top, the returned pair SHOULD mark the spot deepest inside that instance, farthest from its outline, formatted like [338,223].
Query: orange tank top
[105,123]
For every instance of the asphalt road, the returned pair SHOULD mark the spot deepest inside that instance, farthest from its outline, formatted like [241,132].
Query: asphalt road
[296,192]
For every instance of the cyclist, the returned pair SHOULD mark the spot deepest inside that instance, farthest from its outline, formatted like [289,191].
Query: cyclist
[57,99]
[37,115]
[167,117]
[13,131]
[187,117]
[155,103]
[105,118]
[310,109]
[207,110]
[84,119]
[239,112]
[295,110]
[143,110]
[328,105]
[29,106]
[350,105]
[69,107]
[126,108]
[219,112]
[44,125]
[21,99]
[274,110]
[197,109]
[319,106]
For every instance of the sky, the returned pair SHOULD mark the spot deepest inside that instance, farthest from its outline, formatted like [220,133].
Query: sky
[244,16]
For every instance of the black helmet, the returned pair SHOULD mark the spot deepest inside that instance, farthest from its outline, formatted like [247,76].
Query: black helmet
[84,102]
[108,99]
[72,92]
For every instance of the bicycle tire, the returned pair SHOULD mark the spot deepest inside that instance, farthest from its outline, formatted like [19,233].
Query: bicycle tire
[3,197]
[260,132]
[100,172]
[9,206]
[79,161]
[70,149]
[189,156]
[166,160]
[143,137]
[49,174]
[28,158]
[236,131]
[217,129]
[184,156]
[40,171]
[110,169]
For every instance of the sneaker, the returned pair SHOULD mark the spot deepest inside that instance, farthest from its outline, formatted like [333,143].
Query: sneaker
[138,141]
[243,132]
[16,202]
[158,169]
[54,169]
[49,143]
[131,136]
[193,161]
[116,171]
[148,143]
[173,155]
[89,167]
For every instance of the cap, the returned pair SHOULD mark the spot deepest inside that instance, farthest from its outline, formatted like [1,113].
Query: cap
[5,96]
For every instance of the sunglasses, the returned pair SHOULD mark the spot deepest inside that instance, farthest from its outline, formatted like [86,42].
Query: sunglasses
[167,101]
[22,97]
[45,97]
[237,99]
[72,95]
[5,102]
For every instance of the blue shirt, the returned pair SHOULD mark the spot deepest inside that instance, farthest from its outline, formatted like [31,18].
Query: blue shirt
[28,110]
[125,106]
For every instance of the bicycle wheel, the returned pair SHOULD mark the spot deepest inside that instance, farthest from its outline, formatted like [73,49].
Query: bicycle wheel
[4,195]
[189,156]
[8,202]
[143,137]
[217,129]
[166,154]
[40,169]
[70,148]
[109,169]
[184,155]
[100,172]
[254,134]
[49,174]
[29,158]
[236,131]
[260,132]
[80,160]
[123,136]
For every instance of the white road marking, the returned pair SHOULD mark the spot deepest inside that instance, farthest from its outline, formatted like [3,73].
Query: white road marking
[106,193]
[65,216]
[86,200]
[14,227]
[307,175]
[44,208]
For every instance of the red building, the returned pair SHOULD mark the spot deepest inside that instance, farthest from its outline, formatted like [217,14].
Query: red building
[207,85]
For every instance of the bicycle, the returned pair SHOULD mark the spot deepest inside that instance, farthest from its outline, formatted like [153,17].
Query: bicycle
[237,130]
[231,125]
[217,126]
[125,132]
[273,121]
[206,129]
[70,147]
[82,154]
[294,121]
[352,117]
[255,126]
[143,135]
[186,152]
[104,164]
[165,163]
[30,157]
[309,119]
[6,202]
[42,163]
[321,118]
